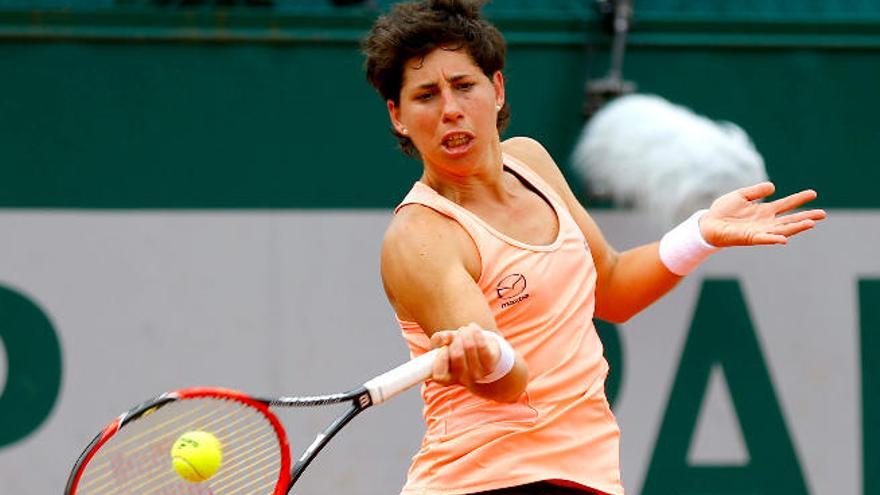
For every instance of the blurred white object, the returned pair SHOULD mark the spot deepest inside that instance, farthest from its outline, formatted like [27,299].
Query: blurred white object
[645,152]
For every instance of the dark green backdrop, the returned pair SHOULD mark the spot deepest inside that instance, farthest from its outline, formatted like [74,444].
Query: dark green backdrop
[125,104]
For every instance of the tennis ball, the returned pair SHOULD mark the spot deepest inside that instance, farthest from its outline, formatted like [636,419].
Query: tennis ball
[196,455]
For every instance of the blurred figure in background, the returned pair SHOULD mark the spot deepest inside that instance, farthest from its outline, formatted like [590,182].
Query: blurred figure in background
[658,157]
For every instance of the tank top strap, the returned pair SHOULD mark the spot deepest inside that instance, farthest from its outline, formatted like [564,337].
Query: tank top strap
[535,180]
[422,194]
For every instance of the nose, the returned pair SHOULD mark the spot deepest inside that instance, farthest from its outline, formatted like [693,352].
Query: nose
[451,106]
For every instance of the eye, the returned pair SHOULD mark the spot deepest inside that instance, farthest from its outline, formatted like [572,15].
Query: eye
[464,86]
[424,96]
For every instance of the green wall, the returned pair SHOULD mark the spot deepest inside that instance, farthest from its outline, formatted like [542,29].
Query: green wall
[126,106]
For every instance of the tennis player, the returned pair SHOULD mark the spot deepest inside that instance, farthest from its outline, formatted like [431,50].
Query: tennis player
[491,258]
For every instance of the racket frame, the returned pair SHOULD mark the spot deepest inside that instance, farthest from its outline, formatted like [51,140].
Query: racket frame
[360,400]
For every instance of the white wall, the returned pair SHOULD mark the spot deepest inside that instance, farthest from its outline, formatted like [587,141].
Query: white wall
[291,303]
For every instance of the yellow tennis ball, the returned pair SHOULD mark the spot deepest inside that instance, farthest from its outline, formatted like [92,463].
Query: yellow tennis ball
[196,455]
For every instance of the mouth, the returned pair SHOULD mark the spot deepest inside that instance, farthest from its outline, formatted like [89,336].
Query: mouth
[457,141]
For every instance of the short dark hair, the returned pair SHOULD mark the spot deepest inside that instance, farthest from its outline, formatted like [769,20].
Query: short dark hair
[414,29]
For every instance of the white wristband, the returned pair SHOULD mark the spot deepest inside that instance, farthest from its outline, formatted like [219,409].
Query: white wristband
[505,361]
[683,248]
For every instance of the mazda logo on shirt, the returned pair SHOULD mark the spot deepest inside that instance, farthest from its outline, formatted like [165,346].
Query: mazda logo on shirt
[511,286]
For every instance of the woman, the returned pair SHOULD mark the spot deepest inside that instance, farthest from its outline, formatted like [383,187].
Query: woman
[491,258]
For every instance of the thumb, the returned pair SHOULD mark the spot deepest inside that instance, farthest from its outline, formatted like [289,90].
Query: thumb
[489,352]
[440,369]
[442,338]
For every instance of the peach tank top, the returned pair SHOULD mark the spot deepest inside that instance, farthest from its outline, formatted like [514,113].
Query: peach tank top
[561,429]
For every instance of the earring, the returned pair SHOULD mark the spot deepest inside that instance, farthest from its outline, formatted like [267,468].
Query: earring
[403,130]
[497,107]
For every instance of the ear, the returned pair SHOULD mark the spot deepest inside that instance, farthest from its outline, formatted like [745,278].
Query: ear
[498,83]
[394,115]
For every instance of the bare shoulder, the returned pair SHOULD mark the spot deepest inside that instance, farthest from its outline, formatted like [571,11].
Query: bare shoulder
[533,154]
[416,228]
[421,242]
[526,149]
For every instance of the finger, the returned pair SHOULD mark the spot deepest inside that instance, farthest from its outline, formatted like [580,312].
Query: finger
[457,364]
[442,338]
[473,326]
[793,201]
[767,239]
[758,191]
[815,215]
[489,352]
[471,354]
[440,369]
[791,229]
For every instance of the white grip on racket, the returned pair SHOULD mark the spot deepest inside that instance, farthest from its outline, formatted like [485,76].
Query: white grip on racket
[393,382]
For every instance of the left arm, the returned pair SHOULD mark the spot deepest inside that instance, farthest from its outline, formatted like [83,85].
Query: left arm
[628,282]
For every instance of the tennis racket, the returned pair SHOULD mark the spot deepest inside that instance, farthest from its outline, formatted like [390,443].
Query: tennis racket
[132,455]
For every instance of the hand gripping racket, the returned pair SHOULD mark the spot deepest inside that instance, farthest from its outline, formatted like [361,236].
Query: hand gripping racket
[132,455]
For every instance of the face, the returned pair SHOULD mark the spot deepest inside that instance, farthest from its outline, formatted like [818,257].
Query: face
[448,107]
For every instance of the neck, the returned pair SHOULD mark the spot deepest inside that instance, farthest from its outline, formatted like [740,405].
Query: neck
[471,178]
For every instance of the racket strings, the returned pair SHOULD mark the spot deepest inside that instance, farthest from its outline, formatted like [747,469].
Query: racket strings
[269,460]
[137,460]
[160,433]
[241,456]
[136,442]
[257,475]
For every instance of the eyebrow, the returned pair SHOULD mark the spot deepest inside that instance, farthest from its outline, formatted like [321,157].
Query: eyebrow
[433,84]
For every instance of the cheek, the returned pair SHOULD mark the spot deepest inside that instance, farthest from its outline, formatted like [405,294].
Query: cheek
[486,113]
[423,121]
[484,104]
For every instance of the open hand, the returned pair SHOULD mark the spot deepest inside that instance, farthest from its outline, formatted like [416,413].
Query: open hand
[739,218]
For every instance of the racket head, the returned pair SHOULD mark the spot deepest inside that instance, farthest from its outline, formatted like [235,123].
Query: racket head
[132,454]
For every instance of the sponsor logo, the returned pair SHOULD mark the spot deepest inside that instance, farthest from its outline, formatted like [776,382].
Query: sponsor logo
[511,302]
[512,289]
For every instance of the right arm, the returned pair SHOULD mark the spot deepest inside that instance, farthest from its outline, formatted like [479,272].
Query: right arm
[429,269]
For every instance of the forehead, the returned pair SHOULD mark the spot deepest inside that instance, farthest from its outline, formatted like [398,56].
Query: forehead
[441,63]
